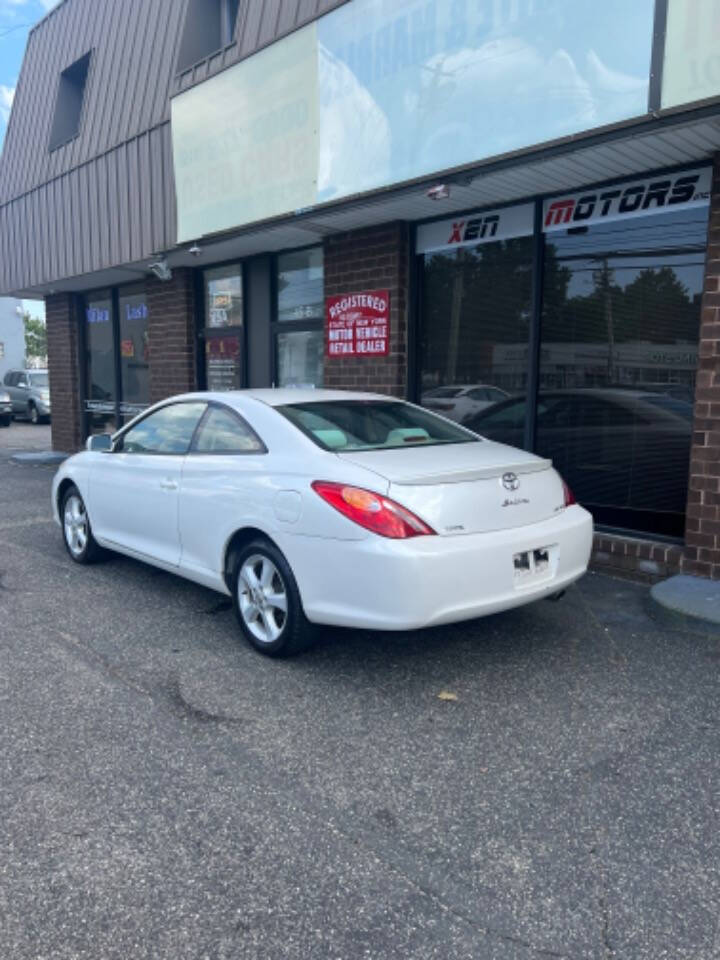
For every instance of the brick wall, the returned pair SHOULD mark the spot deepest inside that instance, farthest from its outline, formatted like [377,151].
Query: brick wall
[64,372]
[702,527]
[171,334]
[375,258]
[636,559]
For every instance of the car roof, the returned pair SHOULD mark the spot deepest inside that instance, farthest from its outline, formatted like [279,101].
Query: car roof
[279,396]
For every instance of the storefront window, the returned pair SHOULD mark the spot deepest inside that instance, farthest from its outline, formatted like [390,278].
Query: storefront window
[300,312]
[618,341]
[223,327]
[300,285]
[300,358]
[618,359]
[134,359]
[475,327]
[100,362]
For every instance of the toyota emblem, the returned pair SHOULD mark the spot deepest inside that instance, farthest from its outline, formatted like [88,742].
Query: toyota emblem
[510,481]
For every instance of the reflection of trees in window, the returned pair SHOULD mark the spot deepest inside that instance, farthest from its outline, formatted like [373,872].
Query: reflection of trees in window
[655,306]
[473,300]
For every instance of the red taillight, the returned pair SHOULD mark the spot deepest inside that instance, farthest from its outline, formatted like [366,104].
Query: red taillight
[569,495]
[372,511]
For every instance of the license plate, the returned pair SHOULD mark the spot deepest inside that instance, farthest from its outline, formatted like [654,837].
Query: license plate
[532,564]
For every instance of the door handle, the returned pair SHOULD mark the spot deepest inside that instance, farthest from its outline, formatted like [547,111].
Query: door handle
[168,485]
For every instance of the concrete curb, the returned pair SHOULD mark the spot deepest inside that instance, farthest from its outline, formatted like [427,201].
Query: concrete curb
[39,457]
[690,603]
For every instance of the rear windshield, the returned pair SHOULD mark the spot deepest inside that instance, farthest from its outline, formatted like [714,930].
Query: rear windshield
[347,425]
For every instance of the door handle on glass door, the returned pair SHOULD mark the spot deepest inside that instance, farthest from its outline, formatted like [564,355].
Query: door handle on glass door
[168,485]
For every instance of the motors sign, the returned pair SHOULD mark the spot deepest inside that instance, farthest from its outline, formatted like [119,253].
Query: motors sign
[639,198]
[469,230]
[358,324]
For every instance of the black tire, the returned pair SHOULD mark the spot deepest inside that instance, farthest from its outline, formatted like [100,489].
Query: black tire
[84,548]
[5,421]
[33,414]
[284,636]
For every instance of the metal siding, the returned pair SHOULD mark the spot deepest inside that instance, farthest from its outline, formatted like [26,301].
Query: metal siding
[102,199]
[269,22]
[287,16]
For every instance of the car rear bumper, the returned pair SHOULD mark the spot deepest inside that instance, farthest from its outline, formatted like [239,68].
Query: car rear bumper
[383,584]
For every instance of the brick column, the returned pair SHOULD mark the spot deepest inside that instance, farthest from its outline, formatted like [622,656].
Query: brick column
[702,527]
[64,372]
[371,259]
[171,334]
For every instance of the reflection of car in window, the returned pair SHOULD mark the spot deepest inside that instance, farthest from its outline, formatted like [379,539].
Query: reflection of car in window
[460,402]
[625,453]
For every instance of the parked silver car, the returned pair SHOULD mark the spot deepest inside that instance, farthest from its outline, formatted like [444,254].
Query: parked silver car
[29,393]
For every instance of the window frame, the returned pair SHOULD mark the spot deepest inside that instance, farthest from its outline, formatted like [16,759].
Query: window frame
[228,33]
[303,325]
[55,142]
[216,404]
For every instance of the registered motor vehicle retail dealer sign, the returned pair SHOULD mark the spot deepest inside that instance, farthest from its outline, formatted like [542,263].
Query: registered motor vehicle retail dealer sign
[358,324]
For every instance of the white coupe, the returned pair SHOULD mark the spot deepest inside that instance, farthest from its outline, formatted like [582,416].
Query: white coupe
[324,507]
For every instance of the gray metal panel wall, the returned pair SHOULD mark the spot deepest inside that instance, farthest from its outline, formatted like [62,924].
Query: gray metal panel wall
[118,208]
[107,197]
[133,46]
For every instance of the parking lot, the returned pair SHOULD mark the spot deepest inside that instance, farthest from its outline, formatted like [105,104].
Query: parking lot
[167,793]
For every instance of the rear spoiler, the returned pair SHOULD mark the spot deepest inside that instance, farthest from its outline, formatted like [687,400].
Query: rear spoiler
[465,476]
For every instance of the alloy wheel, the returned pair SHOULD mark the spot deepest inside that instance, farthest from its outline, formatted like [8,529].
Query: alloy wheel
[76,525]
[262,598]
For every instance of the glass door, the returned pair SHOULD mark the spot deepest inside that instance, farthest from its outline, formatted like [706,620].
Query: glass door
[224,328]
[100,387]
[134,354]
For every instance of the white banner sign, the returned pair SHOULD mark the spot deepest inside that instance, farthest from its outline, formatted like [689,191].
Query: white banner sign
[468,230]
[638,198]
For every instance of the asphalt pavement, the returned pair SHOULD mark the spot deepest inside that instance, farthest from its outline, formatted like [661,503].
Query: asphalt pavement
[165,792]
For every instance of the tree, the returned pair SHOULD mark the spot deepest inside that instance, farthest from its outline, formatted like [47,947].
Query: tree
[35,337]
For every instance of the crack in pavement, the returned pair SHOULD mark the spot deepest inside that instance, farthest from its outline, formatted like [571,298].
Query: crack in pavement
[340,824]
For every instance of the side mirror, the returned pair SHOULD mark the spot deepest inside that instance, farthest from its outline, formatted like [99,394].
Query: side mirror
[100,441]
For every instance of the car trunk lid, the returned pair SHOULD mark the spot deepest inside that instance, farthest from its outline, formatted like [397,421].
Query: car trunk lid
[467,488]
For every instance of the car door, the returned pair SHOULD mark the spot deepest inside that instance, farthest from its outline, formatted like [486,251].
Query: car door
[134,489]
[223,487]
[11,381]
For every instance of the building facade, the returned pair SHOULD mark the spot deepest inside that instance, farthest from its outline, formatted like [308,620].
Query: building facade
[507,211]
[12,335]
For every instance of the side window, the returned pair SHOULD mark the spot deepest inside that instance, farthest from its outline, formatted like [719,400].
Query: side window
[169,430]
[225,432]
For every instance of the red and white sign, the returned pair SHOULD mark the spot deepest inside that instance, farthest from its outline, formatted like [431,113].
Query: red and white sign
[358,324]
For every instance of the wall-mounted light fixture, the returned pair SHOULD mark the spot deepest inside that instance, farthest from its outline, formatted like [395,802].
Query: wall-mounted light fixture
[161,269]
[439,192]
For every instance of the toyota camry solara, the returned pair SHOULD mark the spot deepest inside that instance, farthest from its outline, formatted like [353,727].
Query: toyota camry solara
[323,507]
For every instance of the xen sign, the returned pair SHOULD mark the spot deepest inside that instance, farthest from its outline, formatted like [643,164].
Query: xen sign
[463,231]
